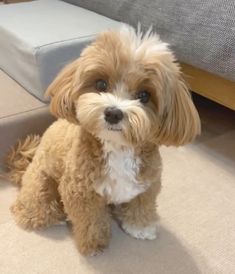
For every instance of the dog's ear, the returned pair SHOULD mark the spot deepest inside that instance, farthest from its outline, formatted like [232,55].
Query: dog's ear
[63,91]
[180,122]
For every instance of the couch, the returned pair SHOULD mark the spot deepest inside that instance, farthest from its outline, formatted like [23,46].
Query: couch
[38,38]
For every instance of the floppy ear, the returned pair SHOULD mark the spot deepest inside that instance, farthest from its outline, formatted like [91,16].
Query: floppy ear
[63,91]
[180,120]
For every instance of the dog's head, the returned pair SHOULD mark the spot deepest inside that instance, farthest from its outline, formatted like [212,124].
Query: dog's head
[127,88]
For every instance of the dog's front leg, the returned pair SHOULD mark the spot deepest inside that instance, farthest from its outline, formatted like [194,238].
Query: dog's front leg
[89,215]
[139,217]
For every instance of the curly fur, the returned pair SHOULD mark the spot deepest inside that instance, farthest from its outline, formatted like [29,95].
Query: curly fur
[87,169]
[20,157]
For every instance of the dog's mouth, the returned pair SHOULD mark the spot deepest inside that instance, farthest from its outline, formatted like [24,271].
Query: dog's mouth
[116,128]
[112,133]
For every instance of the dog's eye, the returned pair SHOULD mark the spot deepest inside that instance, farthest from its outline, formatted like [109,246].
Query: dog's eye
[143,96]
[101,85]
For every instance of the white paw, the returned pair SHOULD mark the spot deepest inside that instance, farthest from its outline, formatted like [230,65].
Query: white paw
[144,233]
[96,253]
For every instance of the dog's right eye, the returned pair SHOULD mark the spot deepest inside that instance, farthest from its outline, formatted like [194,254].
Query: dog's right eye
[101,85]
[143,96]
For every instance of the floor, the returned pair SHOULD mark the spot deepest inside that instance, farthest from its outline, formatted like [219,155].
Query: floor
[196,206]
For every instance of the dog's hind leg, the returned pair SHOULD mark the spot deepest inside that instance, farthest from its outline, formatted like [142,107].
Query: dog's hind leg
[38,204]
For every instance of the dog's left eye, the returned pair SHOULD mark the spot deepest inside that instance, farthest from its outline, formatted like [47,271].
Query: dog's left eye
[143,96]
[101,85]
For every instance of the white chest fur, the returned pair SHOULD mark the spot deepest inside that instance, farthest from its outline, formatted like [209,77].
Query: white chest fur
[120,182]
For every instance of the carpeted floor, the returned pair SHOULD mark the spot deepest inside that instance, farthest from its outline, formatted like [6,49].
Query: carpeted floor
[196,205]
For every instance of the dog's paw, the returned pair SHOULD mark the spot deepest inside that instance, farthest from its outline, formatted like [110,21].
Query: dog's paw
[96,253]
[92,252]
[144,233]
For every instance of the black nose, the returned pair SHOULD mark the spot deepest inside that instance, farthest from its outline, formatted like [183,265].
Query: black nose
[113,115]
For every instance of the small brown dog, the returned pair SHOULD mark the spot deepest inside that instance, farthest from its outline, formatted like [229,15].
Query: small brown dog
[117,103]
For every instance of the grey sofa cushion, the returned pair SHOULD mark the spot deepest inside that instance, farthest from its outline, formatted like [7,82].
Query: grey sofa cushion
[202,33]
[38,38]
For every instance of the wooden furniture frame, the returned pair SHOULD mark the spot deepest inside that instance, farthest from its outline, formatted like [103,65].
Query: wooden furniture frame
[210,86]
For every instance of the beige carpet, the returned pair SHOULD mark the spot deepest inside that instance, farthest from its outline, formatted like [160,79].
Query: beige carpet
[197,205]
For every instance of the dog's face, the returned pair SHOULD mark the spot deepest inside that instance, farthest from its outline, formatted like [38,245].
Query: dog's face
[126,88]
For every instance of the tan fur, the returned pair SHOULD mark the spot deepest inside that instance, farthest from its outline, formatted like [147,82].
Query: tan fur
[61,179]
[20,156]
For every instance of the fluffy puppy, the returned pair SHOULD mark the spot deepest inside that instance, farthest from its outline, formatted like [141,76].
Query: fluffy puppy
[116,104]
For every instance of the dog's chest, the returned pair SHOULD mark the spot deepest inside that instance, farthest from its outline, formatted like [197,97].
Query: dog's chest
[120,183]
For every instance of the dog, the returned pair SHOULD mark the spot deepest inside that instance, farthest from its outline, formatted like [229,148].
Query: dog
[116,104]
